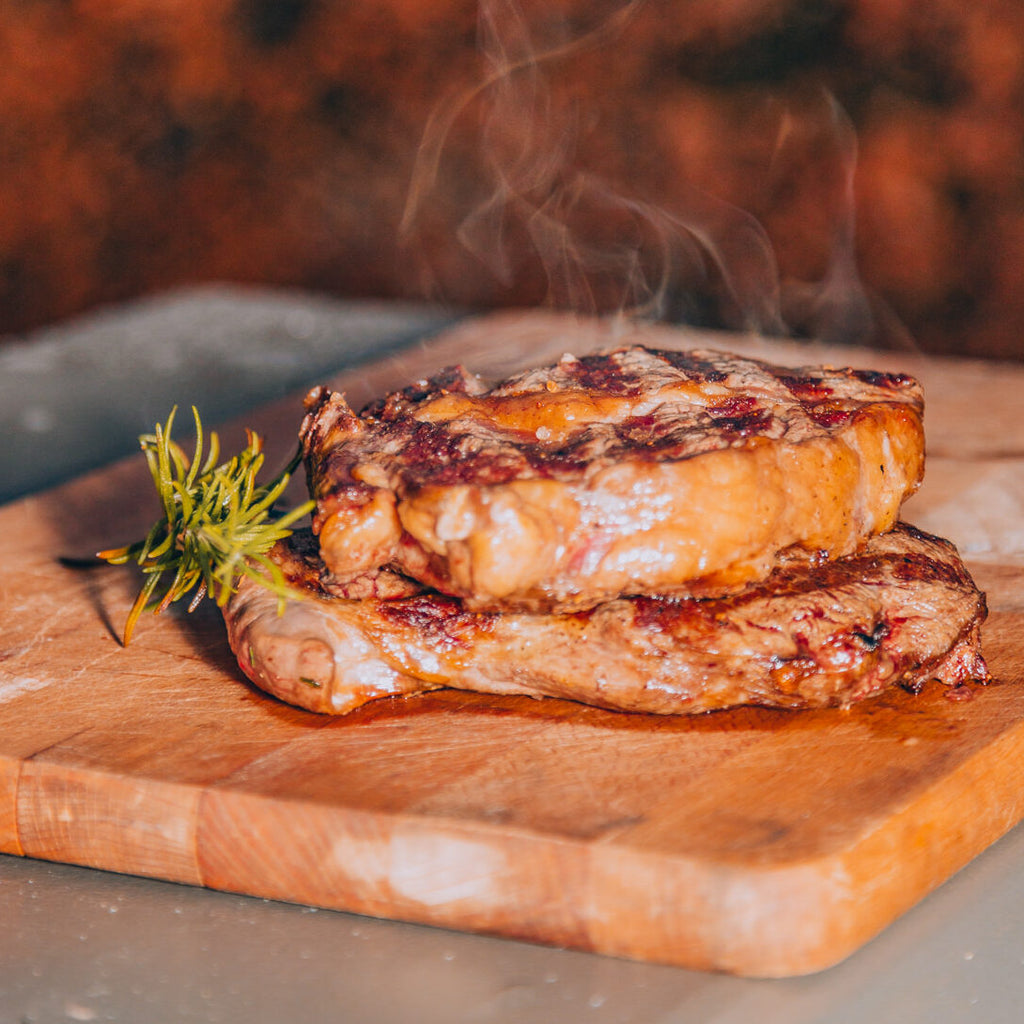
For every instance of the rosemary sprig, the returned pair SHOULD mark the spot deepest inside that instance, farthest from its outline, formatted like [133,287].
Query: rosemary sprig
[218,523]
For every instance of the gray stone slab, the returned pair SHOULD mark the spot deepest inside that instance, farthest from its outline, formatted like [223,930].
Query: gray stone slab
[77,396]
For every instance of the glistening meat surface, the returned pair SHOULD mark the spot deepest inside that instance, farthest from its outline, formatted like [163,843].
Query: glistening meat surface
[902,610]
[628,472]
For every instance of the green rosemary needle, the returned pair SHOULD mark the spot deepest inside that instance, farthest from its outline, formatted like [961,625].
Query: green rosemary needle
[218,523]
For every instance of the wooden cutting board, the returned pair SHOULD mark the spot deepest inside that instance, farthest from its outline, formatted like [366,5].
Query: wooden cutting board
[757,842]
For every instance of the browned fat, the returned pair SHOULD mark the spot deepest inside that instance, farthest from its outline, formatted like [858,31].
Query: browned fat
[552,417]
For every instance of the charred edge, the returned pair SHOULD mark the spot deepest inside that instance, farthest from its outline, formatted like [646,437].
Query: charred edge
[972,670]
[911,568]
[873,640]
[450,380]
[434,453]
[741,417]
[437,619]
[804,388]
[741,405]
[926,566]
[298,558]
[666,615]
[829,414]
[561,463]
[693,365]
[603,372]
[881,379]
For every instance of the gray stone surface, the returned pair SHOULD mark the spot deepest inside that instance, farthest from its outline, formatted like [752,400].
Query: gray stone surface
[82,945]
[77,396]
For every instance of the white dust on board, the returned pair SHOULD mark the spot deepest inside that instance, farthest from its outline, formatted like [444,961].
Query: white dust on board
[39,615]
[979,505]
[33,604]
[437,870]
[16,686]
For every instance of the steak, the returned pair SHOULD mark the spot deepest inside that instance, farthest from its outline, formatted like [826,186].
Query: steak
[633,471]
[901,610]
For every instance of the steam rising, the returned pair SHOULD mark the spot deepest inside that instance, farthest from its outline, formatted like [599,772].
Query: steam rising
[836,309]
[601,250]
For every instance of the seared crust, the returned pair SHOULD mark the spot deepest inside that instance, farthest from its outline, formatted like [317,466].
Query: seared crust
[902,610]
[628,472]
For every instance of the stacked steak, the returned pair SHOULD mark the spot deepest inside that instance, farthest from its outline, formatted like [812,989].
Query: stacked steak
[661,531]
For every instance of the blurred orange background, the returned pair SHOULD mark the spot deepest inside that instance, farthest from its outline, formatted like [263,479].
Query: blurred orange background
[553,151]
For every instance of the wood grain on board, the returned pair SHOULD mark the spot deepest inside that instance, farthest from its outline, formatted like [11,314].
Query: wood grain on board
[752,841]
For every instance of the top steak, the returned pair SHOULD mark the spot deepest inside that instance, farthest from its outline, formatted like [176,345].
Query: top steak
[629,472]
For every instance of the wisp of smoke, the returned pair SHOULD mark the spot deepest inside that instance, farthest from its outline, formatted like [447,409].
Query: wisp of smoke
[601,250]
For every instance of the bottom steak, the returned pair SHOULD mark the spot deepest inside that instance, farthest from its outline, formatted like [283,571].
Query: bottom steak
[902,610]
